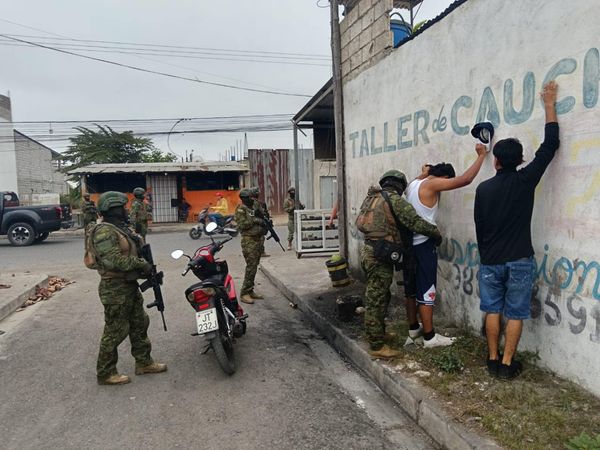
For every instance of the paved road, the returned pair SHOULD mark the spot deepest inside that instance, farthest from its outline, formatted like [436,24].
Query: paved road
[291,390]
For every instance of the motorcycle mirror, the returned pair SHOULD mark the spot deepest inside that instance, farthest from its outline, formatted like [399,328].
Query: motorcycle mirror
[211,227]
[176,254]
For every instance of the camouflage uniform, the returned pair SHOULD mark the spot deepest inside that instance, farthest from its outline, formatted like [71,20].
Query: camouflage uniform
[119,267]
[289,206]
[138,216]
[380,274]
[261,210]
[89,211]
[253,233]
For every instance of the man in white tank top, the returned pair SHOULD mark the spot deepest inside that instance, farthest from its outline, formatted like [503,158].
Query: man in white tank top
[420,276]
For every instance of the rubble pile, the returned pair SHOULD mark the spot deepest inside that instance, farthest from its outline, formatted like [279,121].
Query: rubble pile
[55,284]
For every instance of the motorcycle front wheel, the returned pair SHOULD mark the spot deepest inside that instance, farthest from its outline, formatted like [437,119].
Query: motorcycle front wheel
[195,233]
[223,348]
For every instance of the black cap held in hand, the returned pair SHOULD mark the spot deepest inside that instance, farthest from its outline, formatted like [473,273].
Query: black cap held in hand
[484,131]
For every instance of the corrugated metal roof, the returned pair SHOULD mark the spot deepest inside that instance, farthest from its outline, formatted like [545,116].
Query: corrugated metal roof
[204,166]
[405,4]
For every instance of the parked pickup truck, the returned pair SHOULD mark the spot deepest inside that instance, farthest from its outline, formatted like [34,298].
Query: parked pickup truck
[26,225]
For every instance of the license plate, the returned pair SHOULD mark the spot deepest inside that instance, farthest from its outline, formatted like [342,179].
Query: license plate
[207,321]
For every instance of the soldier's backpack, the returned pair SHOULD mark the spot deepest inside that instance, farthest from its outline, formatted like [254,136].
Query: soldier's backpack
[89,258]
[373,217]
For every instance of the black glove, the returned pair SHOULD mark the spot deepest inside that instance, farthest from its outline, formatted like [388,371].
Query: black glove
[437,240]
[138,228]
[147,269]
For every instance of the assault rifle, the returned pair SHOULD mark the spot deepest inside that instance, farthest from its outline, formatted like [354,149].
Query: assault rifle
[154,281]
[269,225]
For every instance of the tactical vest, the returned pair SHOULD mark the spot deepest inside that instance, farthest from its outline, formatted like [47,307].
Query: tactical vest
[375,220]
[126,245]
[141,211]
[255,231]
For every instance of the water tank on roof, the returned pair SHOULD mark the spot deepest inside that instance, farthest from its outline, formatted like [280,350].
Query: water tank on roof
[400,29]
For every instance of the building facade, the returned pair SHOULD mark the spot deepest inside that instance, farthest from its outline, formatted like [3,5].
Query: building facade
[169,185]
[38,168]
[8,168]
[416,104]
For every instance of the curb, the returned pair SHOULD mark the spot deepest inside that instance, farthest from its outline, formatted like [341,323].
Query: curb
[9,307]
[405,392]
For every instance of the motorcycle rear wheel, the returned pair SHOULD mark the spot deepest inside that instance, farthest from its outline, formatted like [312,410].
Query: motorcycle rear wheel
[195,233]
[223,348]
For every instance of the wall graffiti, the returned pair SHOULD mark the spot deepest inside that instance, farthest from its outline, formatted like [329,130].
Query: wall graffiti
[561,272]
[557,295]
[412,130]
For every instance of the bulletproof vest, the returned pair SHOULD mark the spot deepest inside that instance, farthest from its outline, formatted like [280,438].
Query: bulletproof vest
[375,220]
[142,210]
[126,245]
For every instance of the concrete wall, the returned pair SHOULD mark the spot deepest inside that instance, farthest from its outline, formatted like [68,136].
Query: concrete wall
[8,167]
[37,170]
[488,60]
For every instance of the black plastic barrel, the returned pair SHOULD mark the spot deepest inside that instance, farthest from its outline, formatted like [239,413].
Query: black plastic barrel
[338,272]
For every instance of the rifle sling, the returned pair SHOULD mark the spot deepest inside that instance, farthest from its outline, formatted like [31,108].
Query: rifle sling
[401,228]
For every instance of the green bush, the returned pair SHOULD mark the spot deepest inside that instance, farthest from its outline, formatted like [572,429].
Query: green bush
[447,360]
[584,442]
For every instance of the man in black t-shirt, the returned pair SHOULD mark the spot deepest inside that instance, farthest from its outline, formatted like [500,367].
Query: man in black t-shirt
[503,210]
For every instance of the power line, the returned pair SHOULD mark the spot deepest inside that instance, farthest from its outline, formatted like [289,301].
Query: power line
[139,69]
[167,119]
[212,57]
[178,47]
[144,58]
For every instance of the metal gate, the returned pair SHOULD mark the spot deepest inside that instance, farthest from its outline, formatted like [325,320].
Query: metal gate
[269,171]
[164,198]
[328,192]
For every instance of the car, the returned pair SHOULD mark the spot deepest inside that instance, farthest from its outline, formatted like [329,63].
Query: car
[27,225]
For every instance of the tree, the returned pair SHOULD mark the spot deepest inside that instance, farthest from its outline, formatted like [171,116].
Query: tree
[158,156]
[107,146]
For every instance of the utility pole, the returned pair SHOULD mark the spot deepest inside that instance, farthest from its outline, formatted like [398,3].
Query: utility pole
[338,111]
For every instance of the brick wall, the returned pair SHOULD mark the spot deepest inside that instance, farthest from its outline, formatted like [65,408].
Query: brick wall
[366,36]
[36,170]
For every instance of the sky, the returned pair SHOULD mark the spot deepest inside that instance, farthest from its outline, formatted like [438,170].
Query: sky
[274,45]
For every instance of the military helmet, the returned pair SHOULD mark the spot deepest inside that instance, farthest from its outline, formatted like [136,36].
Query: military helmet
[255,191]
[139,192]
[395,175]
[111,199]
[245,193]
[291,189]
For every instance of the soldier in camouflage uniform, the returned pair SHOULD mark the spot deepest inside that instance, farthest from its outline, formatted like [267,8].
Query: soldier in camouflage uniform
[380,274]
[115,249]
[261,211]
[289,206]
[253,232]
[138,216]
[89,211]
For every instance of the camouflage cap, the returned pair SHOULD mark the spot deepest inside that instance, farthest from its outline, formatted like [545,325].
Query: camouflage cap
[254,191]
[111,199]
[139,192]
[393,175]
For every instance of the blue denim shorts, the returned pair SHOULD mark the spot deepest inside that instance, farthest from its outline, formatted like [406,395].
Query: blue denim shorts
[506,288]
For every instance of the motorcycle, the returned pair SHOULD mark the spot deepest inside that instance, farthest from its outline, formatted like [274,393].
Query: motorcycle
[219,316]
[226,225]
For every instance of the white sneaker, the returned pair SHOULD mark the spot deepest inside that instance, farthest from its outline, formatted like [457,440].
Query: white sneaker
[439,341]
[416,333]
